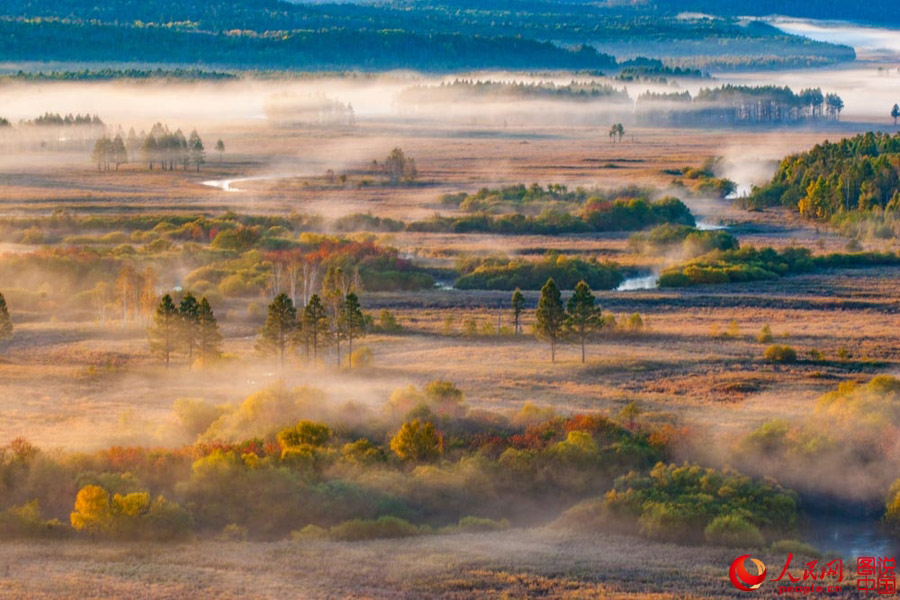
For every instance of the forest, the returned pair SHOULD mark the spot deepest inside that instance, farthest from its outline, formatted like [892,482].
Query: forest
[857,174]
[273,34]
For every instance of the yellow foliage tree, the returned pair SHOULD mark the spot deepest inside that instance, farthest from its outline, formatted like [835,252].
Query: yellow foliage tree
[417,441]
[92,512]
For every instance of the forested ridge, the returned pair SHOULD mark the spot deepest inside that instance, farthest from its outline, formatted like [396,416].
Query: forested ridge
[275,34]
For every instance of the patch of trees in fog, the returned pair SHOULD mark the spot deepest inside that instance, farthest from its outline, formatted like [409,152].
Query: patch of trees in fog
[731,105]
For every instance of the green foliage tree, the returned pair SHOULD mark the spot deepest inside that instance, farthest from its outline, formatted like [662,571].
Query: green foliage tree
[352,322]
[583,316]
[164,330]
[6,326]
[220,148]
[518,305]
[209,338]
[195,149]
[189,325]
[315,324]
[279,328]
[550,316]
[101,153]
[418,442]
[895,113]
[398,167]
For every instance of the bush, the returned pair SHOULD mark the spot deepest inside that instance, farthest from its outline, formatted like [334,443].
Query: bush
[733,531]
[480,525]
[765,335]
[795,547]
[777,353]
[368,529]
[362,358]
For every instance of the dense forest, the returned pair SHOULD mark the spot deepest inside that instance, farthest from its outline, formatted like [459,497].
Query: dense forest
[855,174]
[739,105]
[275,34]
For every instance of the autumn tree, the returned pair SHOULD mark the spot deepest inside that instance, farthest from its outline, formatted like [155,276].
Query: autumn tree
[209,339]
[418,442]
[352,322]
[582,314]
[6,327]
[398,167]
[550,316]
[164,331]
[280,326]
[101,152]
[189,325]
[92,513]
[126,284]
[315,324]
[518,305]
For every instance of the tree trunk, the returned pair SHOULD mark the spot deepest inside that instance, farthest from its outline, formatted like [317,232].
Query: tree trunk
[350,351]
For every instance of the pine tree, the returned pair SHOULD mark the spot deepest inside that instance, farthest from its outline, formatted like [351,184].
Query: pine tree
[220,148]
[315,324]
[196,150]
[6,327]
[352,322]
[518,305]
[550,316]
[281,323]
[209,339]
[164,331]
[189,325]
[583,315]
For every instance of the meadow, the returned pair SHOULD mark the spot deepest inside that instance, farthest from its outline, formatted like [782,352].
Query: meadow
[541,477]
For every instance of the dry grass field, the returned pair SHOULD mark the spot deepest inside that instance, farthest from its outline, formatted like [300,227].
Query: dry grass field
[69,383]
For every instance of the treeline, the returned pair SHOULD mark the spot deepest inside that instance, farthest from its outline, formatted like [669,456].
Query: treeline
[107,74]
[475,90]
[861,173]
[752,264]
[599,212]
[441,36]
[506,274]
[739,105]
[159,147]
[422,464]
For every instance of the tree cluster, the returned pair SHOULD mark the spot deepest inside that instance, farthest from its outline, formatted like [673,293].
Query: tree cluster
[577,320]
[190,327]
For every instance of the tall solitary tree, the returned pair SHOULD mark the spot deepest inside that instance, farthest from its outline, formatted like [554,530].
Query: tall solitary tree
[195,150]
[583,315]
[315,324]
[550,316]
[6,327]
[518,305]
[220,148]
[164,331]
[209,339]
[189,325]
[281,323]
[352,322]
[895,112]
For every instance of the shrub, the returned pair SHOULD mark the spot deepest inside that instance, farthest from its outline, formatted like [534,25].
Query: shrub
[795,547]
[765,335]
[362,357]
[777,353]
[233,533]
[310,532]
[368,529]
[480,525]
[733,531]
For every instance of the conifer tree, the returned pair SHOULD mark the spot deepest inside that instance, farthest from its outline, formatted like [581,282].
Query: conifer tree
[209,339]
[315,324]
[550,316]
[583,315]
[352,322]
[6,327]
[280,326]
[518,305]
[189,325]
[164,331]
